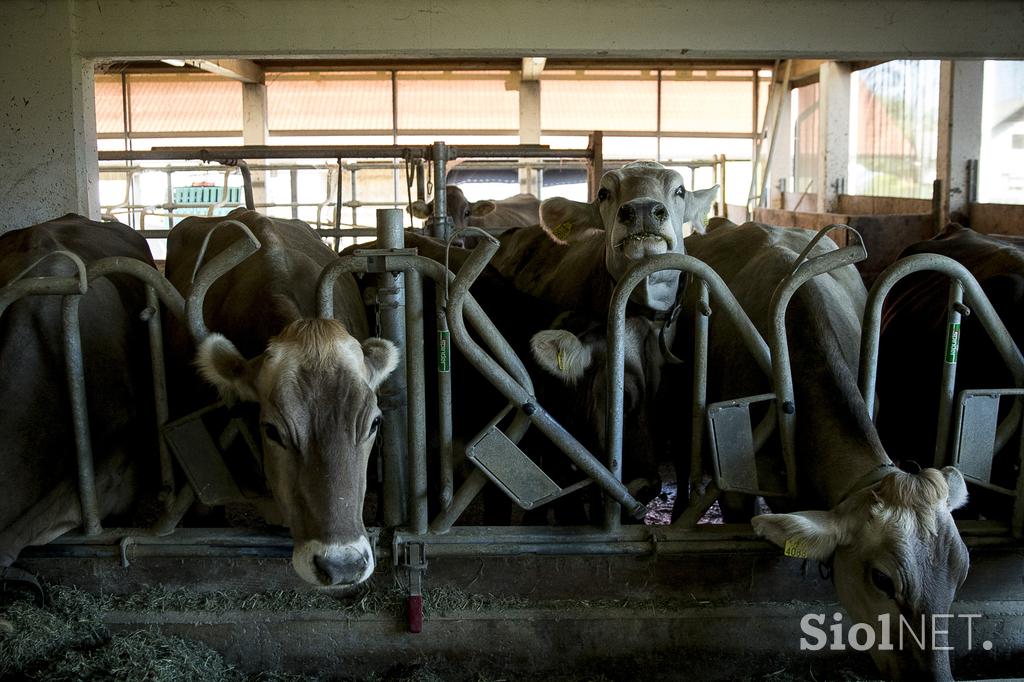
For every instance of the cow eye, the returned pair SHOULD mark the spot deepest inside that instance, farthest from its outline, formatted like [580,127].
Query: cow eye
[883,583]
[374,425]
[271,432]
[680,191]
[603,194]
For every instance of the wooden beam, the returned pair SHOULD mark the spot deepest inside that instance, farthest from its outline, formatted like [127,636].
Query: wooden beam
[532,67]
[243,70]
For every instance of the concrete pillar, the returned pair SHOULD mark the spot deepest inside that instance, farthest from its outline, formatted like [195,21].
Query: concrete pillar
[255,131]
[961,86]
[47,117]
[833,134]
[781,167]
[529,130]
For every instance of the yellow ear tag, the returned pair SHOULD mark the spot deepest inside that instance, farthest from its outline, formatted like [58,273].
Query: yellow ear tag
[562,231]
[560,357]
[795,548]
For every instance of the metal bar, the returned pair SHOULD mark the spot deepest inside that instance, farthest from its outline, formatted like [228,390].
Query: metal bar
[805,269]
[700,387]
[250,202]
[1017,519]
[294,178]
[22,285]
[211,272]
[394,434]
[438,225]
[465,495]
[496,151]
[337,205]
[151,315]
[415,379]
[444,405]
[947,386]
[775,129]
[80,414]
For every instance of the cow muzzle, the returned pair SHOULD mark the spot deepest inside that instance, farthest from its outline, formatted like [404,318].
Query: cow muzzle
[334,564]
[645,228]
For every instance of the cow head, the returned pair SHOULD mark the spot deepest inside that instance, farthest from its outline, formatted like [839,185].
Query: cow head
[460,210]
[318,413]
[575,355]
[896,551]
[644,210]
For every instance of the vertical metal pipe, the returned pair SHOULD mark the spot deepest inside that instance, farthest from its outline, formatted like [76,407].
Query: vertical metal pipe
[80,415]
[420,181]
[337,205]
[352,187]
[700,387]
[293,176]
[615,371]
[250,201]
[391,301]
[156,354]
[955,305]
[444,402]
[438,226]
[417,422]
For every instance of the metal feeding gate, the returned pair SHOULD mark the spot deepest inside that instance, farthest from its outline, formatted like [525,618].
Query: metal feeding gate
[977,434]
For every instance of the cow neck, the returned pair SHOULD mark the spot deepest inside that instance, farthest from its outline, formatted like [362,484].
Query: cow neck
[868,480]
[663,320]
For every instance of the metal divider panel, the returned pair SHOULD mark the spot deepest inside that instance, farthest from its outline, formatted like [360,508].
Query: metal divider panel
[511,469]
[201,460]
[732,446]
[977,421]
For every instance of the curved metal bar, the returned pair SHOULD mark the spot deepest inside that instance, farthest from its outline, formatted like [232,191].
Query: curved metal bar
[211,272]
[516,393]
[980,306]
[637,273]
[80,414]
[329,276]
[170,297]
[21,286]
[782,372]
[70,255]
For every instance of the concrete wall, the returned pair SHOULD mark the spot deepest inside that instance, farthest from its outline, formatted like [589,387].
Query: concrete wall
[46,126]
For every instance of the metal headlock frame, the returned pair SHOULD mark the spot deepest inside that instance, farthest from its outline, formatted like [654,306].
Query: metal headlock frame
[158,290]
[508,375]
[962,286]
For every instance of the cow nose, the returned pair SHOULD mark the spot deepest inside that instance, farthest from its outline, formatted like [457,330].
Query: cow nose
[344,569]
[643,215]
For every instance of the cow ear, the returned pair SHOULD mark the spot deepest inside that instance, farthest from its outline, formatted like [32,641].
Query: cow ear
[698,205]
[561,354]
[419,209]
[478,209]
[381,359]
[221,364]
[957,488]
[564,219]
[808,535]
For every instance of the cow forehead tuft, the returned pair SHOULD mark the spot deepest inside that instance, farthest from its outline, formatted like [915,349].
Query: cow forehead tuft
[316,343]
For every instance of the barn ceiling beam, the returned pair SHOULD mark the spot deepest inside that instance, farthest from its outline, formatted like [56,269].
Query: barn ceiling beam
[244,70]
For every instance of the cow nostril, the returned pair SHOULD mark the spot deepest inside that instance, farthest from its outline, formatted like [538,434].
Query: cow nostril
[660,213]
[627,213]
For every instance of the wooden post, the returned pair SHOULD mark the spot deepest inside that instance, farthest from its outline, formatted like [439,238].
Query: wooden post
[596,168]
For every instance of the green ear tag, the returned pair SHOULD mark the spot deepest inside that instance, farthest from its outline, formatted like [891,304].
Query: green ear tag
[560,357]
[562,231]
[444,351]
[795,548]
